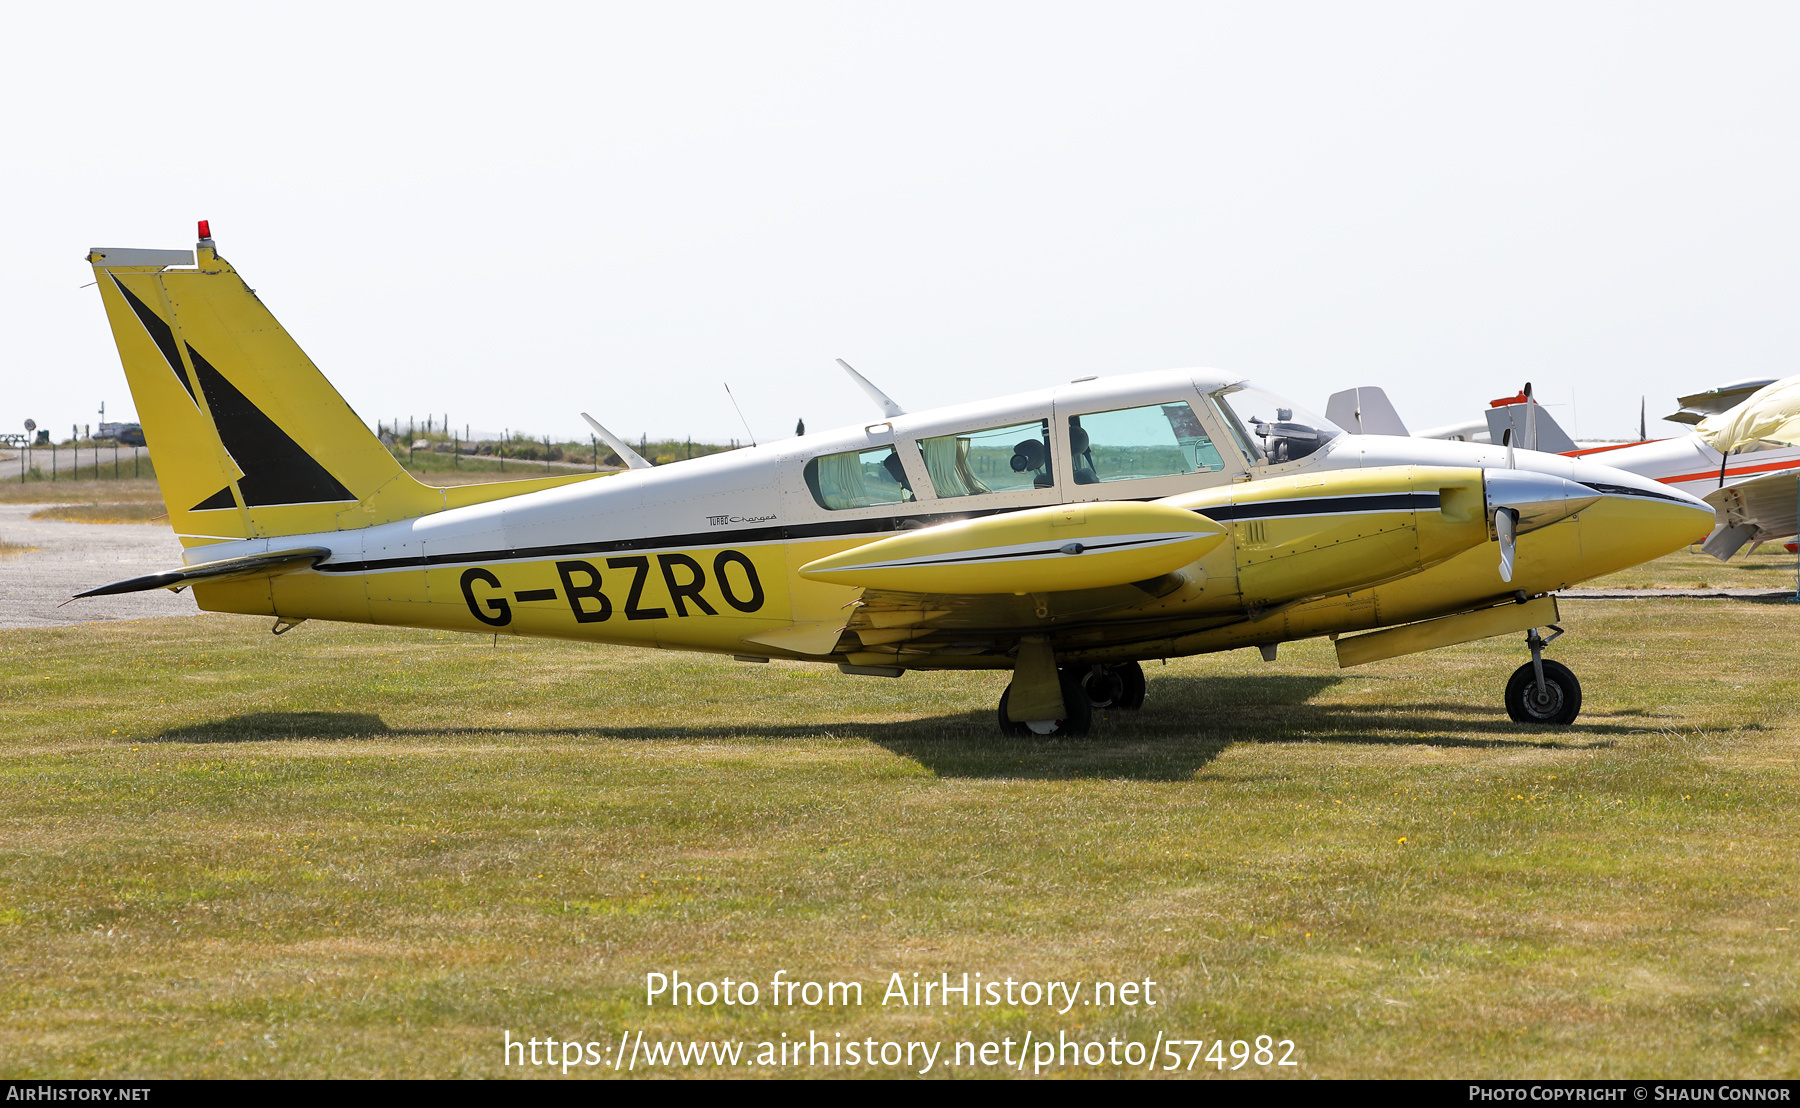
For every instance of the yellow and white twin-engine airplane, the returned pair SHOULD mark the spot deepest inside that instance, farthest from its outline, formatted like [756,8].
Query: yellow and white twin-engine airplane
[1064,535]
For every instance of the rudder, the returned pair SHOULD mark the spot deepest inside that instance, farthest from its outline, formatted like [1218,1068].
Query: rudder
[250,439]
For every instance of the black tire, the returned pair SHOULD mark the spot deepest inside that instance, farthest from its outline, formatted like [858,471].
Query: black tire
[1108,687]
[1560,704]
[1075,702]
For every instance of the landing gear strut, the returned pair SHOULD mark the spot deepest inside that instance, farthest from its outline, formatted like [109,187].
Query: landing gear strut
[1107,687]
[1542,691]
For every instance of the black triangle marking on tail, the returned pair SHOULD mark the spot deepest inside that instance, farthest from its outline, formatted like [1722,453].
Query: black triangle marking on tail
[159,334]
[220,499]
[277,470]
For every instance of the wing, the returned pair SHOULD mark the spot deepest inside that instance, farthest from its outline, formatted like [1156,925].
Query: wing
[891,627]
[1758,509]
[976,586]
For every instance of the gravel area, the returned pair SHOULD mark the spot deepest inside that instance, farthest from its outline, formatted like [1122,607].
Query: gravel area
[72,557]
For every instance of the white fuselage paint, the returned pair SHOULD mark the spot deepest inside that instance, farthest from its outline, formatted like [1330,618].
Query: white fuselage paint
[740,491]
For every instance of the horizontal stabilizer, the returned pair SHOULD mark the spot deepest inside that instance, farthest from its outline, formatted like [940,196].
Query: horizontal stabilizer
[254,565]
[1758,509]
[1711,402]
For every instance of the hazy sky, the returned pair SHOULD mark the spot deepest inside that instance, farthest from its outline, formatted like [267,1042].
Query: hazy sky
[514,212]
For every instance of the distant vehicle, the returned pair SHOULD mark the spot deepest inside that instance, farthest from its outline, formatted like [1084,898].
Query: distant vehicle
[125,434]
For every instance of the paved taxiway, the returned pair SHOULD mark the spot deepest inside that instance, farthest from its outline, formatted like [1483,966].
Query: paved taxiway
[71,557]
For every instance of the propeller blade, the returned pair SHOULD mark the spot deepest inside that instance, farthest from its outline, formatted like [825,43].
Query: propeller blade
[1506,439]
[1505,525]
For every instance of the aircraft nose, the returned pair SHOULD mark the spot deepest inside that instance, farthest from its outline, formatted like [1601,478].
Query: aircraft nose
[1635,520]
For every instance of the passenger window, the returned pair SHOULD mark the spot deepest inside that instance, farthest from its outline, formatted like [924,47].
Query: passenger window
[858,479]
[1156,441]
[998,459]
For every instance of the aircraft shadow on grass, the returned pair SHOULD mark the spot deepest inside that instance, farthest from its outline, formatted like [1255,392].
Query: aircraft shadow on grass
[278,727]
[1189,721]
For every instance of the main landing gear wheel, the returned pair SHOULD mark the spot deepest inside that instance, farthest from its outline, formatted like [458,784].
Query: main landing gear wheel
[1080,714]
[1107,687]
[1542,691]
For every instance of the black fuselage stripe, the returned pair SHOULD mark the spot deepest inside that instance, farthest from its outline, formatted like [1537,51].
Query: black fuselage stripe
[747,536]
[1323,505]
[1318,505]
[1628,490]
[948,559]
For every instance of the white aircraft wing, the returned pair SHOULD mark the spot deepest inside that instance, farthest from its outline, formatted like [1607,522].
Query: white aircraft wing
[1758,508]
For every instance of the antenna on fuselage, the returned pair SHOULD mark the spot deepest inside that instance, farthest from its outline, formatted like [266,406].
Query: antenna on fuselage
[631,458]
[740,413]
[881,399]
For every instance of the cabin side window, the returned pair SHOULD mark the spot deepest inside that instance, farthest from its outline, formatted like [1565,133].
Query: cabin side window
[1158,440]
[994,459]
[858,479]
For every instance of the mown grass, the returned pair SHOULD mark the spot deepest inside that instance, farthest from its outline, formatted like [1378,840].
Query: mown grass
[64,491]
[1769,568]
[431,467]
[355,851]
[139,511]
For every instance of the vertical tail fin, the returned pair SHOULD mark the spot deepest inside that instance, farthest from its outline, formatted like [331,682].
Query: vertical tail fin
[249,438]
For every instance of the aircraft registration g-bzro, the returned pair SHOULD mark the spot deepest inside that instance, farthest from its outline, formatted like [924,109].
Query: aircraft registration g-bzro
[1065,534]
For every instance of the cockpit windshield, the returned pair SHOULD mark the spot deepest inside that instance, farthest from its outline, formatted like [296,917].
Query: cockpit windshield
[1272,429]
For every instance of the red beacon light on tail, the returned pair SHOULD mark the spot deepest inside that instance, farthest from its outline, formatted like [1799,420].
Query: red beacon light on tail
[206,230]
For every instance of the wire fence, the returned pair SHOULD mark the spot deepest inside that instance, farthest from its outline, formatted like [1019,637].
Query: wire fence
[99,461]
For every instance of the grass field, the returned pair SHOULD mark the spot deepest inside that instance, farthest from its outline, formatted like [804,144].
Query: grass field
[356,852]
[131,511]
[1769,568]
[81,492]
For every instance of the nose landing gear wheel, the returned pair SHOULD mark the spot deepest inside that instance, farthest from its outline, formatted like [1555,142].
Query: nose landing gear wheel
[1080,714]
[1107,687]
[1557,700]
